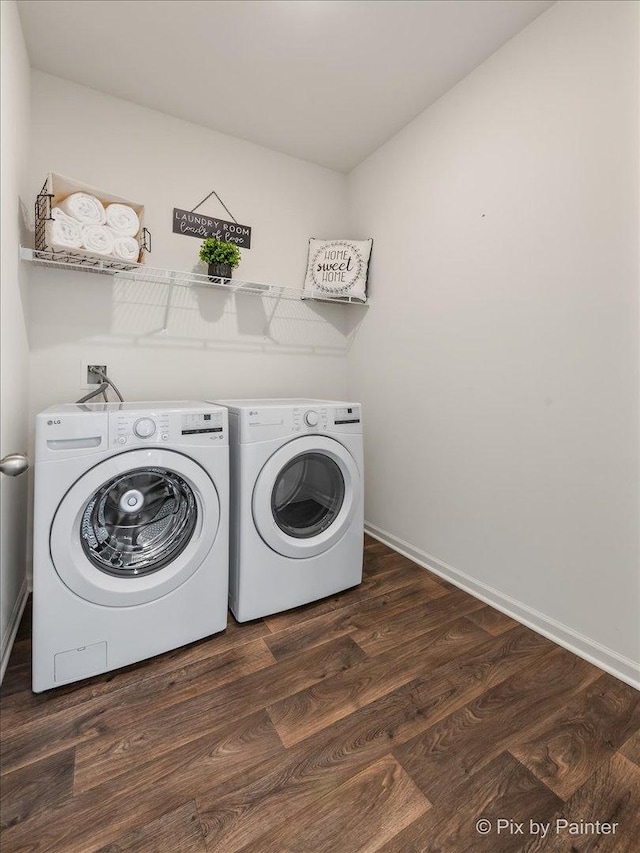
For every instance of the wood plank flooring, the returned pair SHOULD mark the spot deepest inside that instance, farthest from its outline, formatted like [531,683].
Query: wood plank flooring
[390,717]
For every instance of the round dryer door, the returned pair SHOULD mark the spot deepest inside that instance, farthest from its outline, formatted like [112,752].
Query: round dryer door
[305,496]
[135,527]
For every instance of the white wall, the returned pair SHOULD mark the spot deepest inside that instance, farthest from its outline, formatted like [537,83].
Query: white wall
[498,364]
[15,80]
[214,344]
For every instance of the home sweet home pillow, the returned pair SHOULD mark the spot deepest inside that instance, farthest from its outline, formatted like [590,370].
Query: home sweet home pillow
[338,269]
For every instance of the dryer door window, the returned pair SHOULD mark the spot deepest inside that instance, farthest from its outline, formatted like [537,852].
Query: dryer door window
[307,495]
[137,523]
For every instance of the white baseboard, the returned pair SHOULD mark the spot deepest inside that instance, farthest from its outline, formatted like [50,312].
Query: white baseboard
[621,667]
[12,628]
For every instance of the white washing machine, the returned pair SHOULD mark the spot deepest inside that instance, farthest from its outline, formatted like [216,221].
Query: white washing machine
[296,502]
[130,534]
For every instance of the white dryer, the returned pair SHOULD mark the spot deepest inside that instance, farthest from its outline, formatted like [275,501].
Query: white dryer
[130,534]
[296,502]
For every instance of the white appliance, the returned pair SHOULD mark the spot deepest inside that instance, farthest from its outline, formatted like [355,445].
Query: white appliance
[130,534]
[296,502]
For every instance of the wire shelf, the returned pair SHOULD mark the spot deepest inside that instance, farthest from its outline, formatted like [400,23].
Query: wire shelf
[181,278]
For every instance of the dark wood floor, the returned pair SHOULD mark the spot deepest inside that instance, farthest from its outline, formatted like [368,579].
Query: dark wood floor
[391,717]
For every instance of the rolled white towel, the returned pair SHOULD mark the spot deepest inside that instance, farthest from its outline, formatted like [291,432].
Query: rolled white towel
[126,248]
[123,219]
[87,209]
[63,231]
[98,239]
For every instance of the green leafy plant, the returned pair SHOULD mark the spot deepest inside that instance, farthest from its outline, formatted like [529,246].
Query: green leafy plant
[214,251]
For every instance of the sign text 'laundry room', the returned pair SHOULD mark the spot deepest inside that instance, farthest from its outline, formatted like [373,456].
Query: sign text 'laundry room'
[200,226]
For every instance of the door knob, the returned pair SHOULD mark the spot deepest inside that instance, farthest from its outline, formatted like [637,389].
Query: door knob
[14,464]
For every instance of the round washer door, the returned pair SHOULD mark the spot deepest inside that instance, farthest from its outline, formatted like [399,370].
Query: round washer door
[134,527]
[305,496]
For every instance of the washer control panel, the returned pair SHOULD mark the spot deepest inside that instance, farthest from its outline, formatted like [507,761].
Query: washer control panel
[202,423]
[137,429]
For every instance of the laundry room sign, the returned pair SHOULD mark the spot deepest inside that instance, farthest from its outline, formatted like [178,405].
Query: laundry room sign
[200,226]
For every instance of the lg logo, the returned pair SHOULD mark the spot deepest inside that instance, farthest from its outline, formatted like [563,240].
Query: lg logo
[52,423]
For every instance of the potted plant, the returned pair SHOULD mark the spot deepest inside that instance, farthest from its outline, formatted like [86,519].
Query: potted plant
[220,257]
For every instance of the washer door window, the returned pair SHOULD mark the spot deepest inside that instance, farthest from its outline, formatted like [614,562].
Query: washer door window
[138,522]
[135,527]
[305,496]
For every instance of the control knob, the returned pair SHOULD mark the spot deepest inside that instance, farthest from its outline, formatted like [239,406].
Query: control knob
[311,418]
[144,427]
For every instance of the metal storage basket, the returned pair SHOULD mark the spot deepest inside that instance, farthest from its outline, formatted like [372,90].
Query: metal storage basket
[43,205]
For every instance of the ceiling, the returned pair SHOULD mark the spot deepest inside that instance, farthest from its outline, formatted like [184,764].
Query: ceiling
[325,80]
